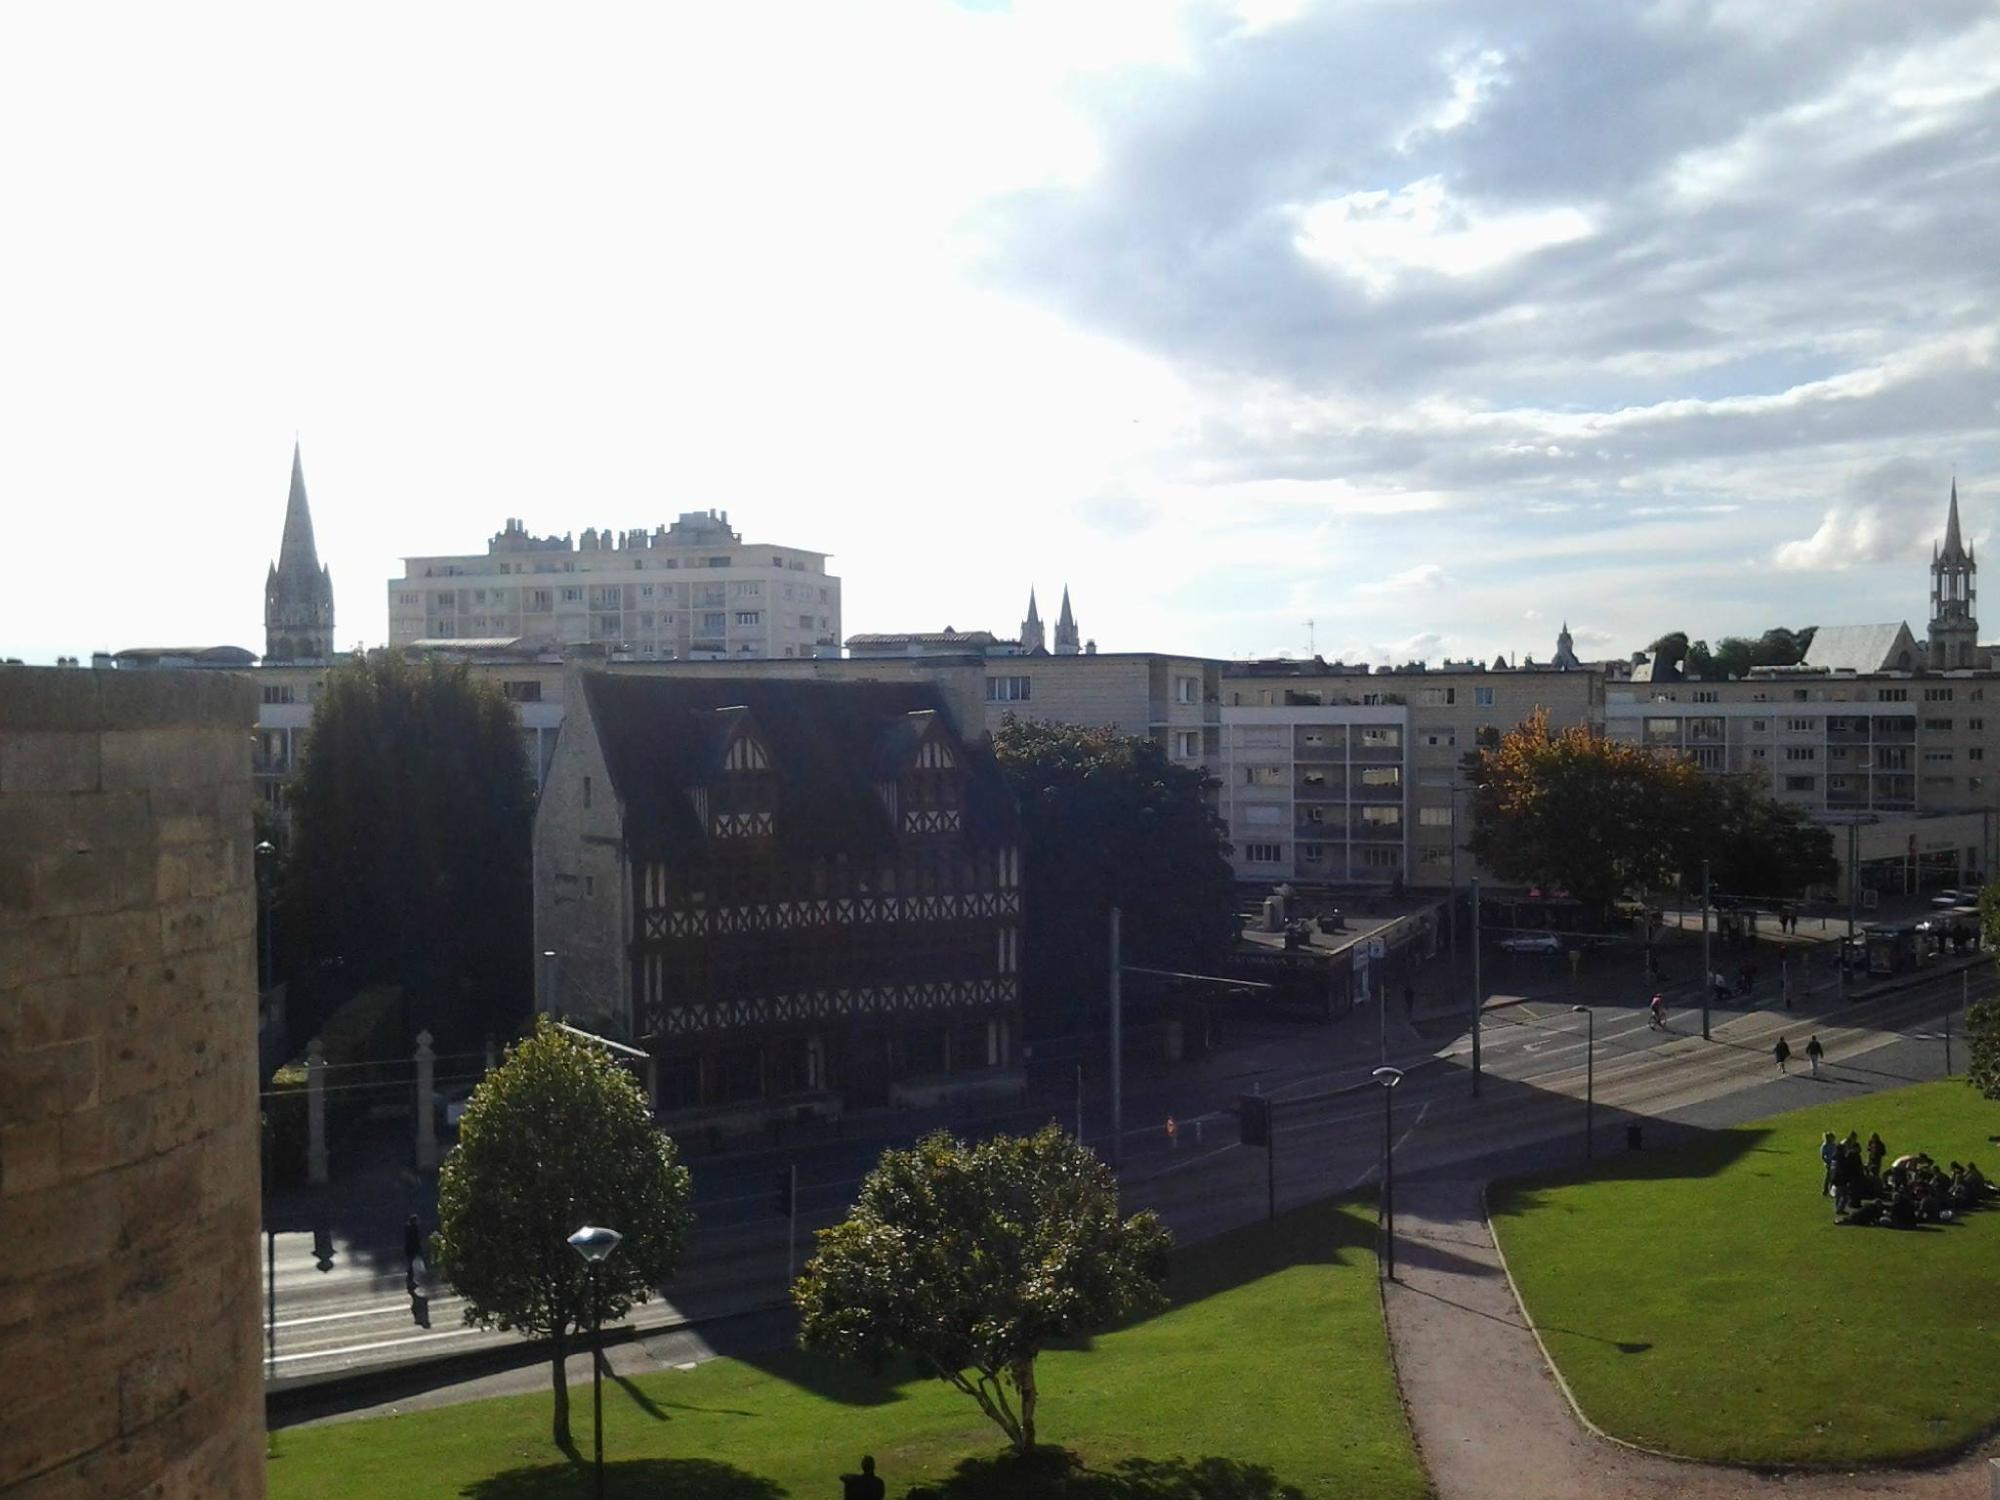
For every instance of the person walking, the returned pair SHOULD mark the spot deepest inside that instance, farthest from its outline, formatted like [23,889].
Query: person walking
[1814,1052]
[1876,1151]
[1829,1155]
[1783,1053]
[1659,1009]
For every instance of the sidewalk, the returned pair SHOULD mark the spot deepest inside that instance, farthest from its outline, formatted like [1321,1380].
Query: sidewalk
[1488,1415]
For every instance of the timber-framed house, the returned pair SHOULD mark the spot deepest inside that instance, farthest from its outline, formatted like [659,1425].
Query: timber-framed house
[796,896]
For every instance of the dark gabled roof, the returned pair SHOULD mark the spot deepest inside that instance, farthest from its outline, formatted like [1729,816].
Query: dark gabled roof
[829,743]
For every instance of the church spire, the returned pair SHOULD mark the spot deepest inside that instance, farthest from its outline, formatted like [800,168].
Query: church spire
[298,591]
[1032,637]
[1068,642]
[1954,549]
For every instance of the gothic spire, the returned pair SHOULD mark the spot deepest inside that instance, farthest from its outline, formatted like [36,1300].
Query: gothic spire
[1954,549]
[1068,642]
[297,549]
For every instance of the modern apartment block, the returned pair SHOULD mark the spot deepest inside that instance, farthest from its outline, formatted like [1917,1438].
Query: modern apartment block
[693,590]
[1335,775]
[1891,749]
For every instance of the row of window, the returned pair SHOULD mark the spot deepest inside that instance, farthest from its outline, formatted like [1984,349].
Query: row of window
[1372,857]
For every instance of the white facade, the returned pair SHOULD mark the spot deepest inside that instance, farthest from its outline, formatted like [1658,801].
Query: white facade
[691,591]
[1317,793]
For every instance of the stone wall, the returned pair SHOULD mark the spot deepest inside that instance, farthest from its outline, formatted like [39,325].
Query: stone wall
[129,1275]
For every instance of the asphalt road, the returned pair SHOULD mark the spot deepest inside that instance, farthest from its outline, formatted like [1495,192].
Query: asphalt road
[1529,1109]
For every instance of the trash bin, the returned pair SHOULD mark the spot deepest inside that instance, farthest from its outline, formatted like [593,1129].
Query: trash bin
[1632,1136]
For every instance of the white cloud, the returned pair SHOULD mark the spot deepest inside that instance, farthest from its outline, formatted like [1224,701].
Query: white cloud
[1377,237]
[1421,578]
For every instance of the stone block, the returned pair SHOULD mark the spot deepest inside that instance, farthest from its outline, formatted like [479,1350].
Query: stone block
[48,1082]
[56,1010]
[142,759]
[109,820]
[80,881]
[116,940]
[30,1157]
[43,949]
[152,1385]
[48,761]
[52,1230]
[137,1060]
[155,1197]
[85,1144]
[50,1424]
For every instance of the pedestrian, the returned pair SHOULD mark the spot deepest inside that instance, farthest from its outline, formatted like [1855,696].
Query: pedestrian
[1814,1052]
[1829,1154]
[1876,1151]
[1783,1053]
[1659,1009]
[863,1486]
[413,1248]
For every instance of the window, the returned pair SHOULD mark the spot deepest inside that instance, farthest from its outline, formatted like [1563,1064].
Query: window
[1977,726]
[1440,739]
[1892,695]
[805,622]
[1662,731]
[1482,697]
[748,616]
[1379,737]
[1897,759]
[1937,757]
[1937,695]
[1757,752]
[1184,690]
[712,622]
[409,598]
[521,692]
[1437,697]
[277,692]
[999,689]
[1434,817]
[1262,854]
[1801,752]
[1265,814]
[1386,778]
[1801,783]
[572,596]
[1708,757]
[1187,744]
[1977,752]
[540,601]
[1374,856]
[1707,697]
[1382,817]
[1263,775]
[1938,725]
[1312,854]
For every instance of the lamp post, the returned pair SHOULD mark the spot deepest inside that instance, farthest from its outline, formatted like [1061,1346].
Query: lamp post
[264,850]
[1589,1077]
[594,1244]
[1388,1078]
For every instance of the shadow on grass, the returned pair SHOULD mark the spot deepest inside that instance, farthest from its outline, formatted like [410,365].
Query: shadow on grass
[1709,1153]
[633,1479]
[1054,1472]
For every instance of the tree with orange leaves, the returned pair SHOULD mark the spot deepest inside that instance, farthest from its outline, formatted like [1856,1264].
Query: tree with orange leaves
[1570,810]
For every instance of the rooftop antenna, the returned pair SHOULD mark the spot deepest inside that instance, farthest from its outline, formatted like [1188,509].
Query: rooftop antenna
[1312,648]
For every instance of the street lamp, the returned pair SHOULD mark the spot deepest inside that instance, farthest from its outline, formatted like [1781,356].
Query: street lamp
[594,1244]
[264,850]
[1388,1078]
[1589,1077]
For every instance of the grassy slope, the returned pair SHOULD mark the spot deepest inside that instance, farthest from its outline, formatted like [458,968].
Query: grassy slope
[1755,1330]
[1273,1356]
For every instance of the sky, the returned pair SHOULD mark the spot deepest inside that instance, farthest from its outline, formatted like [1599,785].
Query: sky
[1391,330]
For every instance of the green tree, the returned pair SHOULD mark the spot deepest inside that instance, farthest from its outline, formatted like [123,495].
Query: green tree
[972,1258]
[1108,818]
[1756,845]
[1699,662]
[1671,649]
[1573,811]
[558,1136]
[409,860]
[1982,1038]
[1733,657]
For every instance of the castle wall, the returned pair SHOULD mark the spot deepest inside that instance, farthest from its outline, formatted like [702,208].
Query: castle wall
[129,1355]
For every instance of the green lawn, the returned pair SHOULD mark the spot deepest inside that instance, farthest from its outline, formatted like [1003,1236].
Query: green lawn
[1704,1302]
[1267,1377]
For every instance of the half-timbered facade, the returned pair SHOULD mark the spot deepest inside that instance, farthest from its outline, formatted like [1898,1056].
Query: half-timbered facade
[793,894]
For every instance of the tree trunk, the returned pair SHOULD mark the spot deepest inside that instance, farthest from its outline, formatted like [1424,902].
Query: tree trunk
[559,1368]
[1024,1382]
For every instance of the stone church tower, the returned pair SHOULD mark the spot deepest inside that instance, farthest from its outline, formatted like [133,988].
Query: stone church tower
[298,592]
[1954,595]
[1068,642]
[1032,638]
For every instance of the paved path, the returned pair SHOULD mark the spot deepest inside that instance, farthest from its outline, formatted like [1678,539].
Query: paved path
[1490,1418]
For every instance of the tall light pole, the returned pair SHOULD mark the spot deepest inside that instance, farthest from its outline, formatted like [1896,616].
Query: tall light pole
[1388,1078]
[1478,994]
[1117,1047]
[594,1243]
[1589,1078]
[264,851]
[1707,965]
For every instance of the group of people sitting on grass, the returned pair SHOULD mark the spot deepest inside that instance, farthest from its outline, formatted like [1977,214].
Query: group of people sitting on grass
[1913,1189]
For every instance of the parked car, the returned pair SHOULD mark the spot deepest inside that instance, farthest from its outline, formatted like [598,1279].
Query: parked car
[1531,942]
[1944,900]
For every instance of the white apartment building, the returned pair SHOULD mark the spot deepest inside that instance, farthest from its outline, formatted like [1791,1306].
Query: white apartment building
[1317,793]
[692,591]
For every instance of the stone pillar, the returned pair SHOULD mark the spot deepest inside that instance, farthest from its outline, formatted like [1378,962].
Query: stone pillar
[427,1141]
[316,1114]
[130,1352]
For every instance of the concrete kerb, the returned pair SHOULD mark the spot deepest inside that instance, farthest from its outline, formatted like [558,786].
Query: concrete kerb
[302,1398]
[1936,1459]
